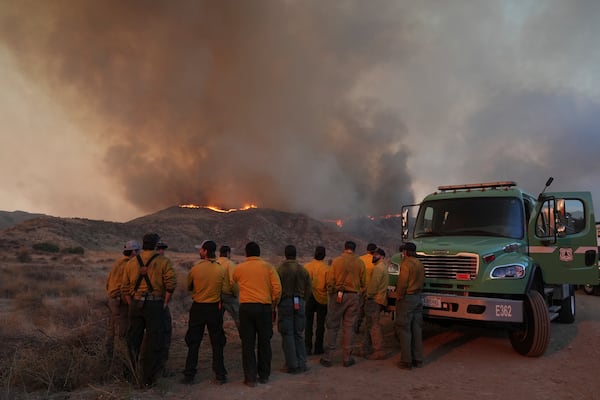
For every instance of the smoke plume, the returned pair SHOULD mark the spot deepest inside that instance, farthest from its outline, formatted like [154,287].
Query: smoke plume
[224,102]
[331,108]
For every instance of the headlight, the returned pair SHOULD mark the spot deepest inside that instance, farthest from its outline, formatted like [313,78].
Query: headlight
[393,269]
[508,272]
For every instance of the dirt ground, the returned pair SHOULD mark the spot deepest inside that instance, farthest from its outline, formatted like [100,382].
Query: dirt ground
[461,362]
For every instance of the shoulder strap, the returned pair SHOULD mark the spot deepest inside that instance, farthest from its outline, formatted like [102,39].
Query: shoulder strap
[144,276]
[139,259]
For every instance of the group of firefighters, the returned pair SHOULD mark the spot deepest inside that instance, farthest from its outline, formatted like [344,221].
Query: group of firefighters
[257,295]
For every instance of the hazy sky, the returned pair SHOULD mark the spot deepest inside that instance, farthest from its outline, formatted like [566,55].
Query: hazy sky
[115,109]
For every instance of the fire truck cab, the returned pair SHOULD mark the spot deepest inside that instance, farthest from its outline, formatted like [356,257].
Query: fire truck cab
[495,255]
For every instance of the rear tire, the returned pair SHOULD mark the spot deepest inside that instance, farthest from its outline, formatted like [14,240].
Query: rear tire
[592,290]
[567,308]
[532,338]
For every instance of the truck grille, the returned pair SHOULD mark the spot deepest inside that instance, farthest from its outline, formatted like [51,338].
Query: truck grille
[462,267]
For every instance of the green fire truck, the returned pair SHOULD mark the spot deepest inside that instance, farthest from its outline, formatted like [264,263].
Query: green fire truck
[498,256]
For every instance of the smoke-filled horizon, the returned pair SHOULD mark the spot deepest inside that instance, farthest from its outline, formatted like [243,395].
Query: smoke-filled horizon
[335,109]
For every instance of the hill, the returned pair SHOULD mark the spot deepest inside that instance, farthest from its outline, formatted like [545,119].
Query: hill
[10,218]
[181,228]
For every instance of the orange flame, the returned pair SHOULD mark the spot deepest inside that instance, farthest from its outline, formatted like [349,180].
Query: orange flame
[388,216]
[338,222]
[218,209]
[189,206]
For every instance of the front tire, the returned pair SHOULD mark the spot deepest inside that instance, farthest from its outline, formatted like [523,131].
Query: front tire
[532,338]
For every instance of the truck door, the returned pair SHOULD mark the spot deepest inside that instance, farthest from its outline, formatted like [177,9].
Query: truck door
[562,238]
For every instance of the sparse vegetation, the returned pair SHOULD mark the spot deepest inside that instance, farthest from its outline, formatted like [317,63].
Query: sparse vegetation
[53,329]
[51,325]
[74,250]
[67,363]
[23,255]
[46,247]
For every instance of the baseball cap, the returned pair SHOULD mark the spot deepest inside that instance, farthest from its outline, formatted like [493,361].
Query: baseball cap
[132,245]
[207,245]
[199,246]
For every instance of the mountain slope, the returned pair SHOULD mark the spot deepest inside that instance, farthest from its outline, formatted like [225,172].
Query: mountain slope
[10,218]
[182,228]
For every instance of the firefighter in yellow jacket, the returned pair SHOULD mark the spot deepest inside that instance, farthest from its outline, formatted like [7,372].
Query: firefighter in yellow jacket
[148,284]
[206,280]
[345,283]
[260,291]
[375,302]
[317,302]
[119,309]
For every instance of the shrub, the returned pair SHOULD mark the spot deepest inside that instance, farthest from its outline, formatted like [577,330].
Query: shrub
[23,255]
[68,363]
[47,247]
[74,250]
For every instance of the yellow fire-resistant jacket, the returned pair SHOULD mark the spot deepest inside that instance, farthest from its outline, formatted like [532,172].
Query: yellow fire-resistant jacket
[207,280]
[351,281]
[318,270]
[115,277]
[377,289]
[160,271]
[258,281]
[367,259]
[411,277]
[229,266]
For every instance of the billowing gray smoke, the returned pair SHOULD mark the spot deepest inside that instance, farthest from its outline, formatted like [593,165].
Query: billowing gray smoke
[225,102]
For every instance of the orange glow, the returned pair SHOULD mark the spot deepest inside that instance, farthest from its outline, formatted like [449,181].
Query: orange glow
[338,222]
[388,216]
[218,209]
[189,206]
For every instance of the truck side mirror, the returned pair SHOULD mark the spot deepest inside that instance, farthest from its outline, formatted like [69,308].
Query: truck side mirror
[404,223]
[560,218]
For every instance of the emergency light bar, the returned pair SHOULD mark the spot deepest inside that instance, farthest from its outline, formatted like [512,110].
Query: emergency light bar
[487,185]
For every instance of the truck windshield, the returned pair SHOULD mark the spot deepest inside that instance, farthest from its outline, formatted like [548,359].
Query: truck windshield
[477,216]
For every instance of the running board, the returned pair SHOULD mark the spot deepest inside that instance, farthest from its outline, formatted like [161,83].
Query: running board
[553,312]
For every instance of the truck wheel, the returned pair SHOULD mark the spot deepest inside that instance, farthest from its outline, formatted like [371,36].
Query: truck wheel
[532,338]
[590,289]
[566,314]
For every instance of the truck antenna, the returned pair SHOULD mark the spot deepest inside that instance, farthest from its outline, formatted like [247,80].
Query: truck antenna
[548,183]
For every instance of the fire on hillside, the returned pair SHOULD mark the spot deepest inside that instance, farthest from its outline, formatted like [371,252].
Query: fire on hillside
[218,209]
[338,222]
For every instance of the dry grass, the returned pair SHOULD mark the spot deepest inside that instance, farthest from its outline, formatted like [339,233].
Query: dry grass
[53,319]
